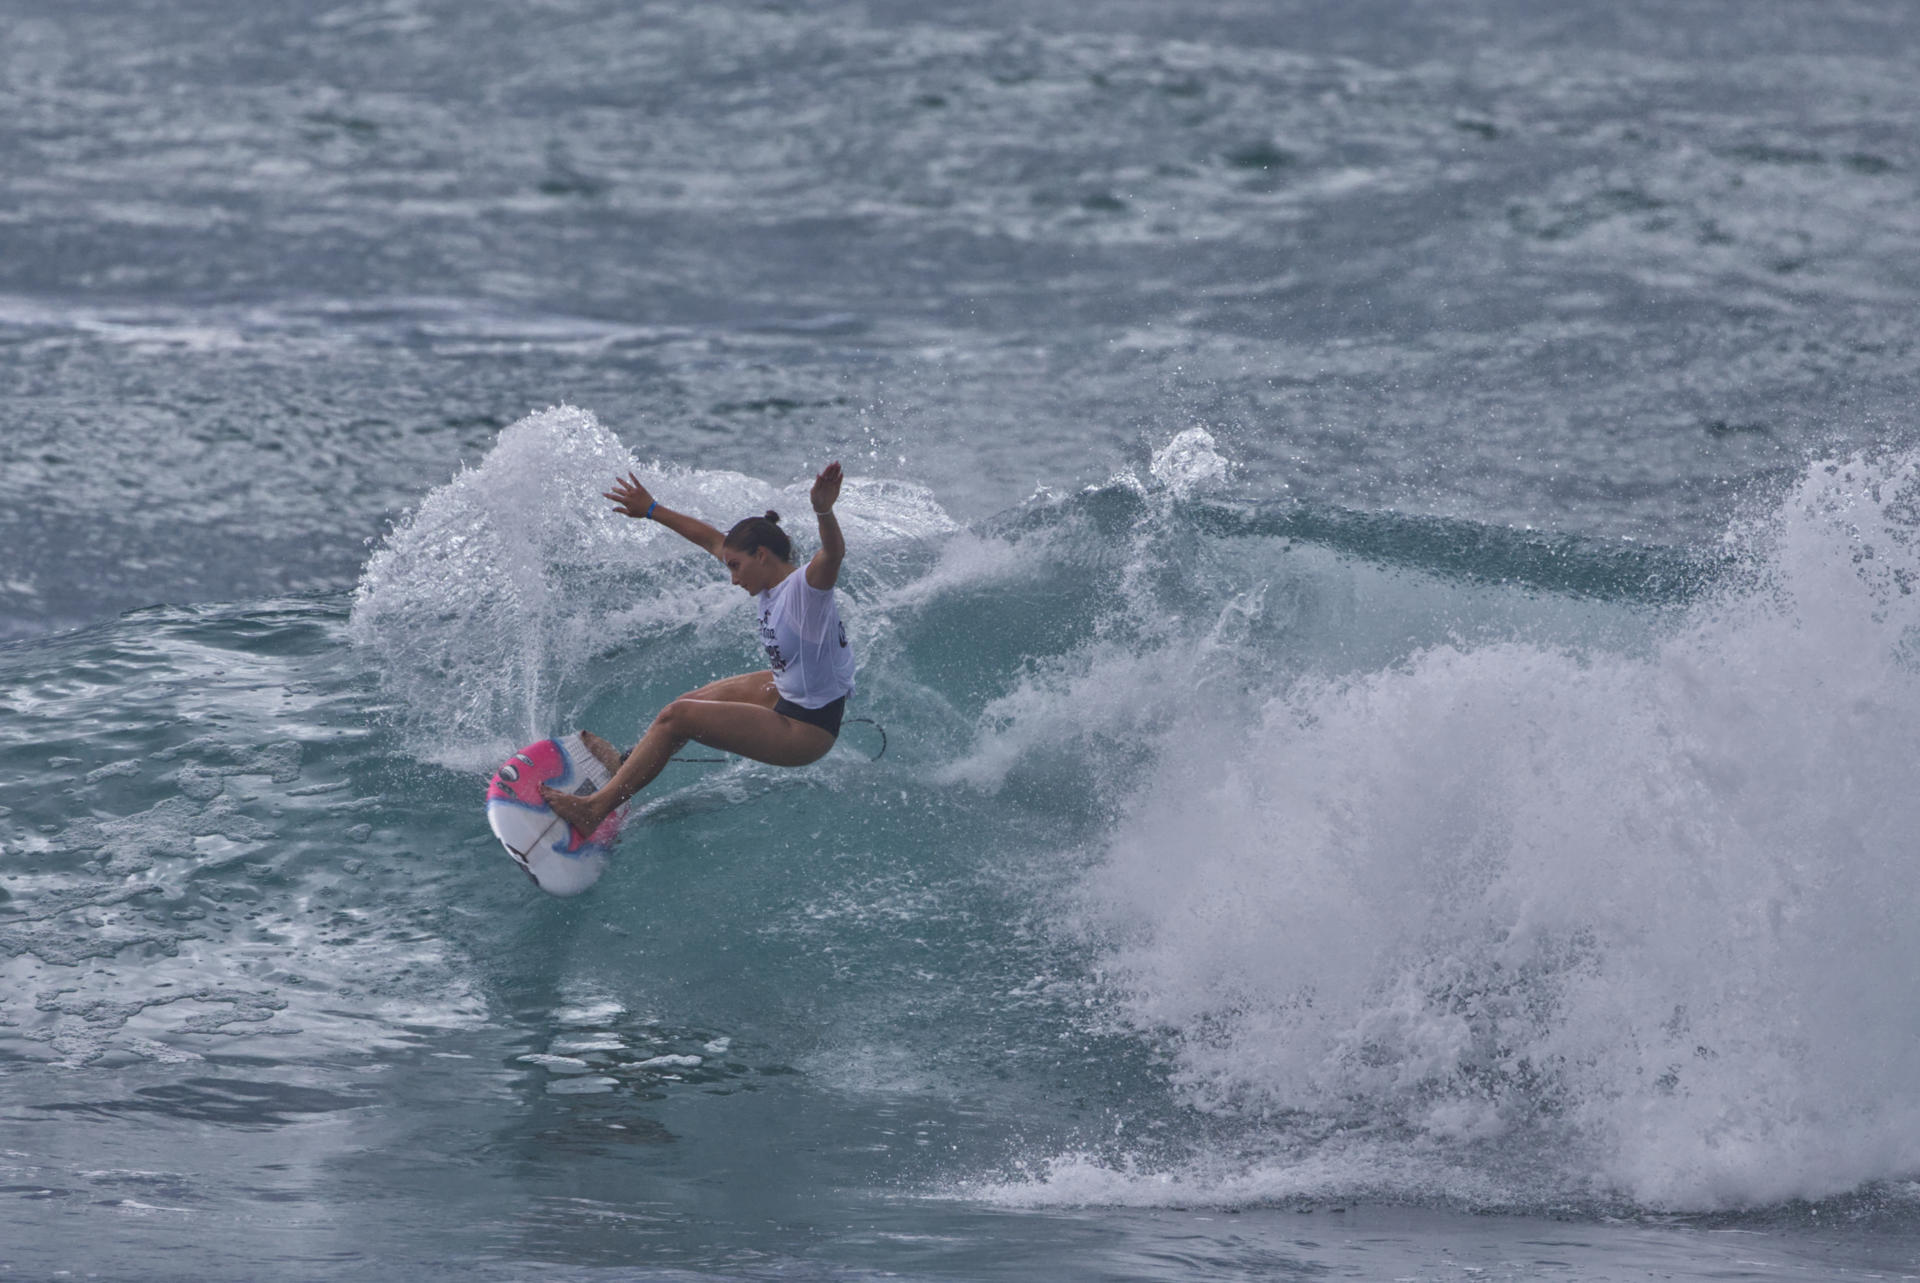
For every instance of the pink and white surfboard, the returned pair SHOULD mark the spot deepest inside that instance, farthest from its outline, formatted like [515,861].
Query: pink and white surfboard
[556,856]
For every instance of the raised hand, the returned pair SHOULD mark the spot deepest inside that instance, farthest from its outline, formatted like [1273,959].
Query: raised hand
[630,497]
[826,488]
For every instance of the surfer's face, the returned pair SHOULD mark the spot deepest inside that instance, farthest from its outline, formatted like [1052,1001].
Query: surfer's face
[753,572]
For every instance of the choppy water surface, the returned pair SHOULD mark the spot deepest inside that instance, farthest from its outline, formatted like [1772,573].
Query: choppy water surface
[1383,548]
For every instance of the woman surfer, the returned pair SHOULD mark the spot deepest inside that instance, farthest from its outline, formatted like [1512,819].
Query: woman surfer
[786,715]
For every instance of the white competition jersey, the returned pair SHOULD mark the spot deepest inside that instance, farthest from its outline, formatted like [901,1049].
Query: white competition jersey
[806,642]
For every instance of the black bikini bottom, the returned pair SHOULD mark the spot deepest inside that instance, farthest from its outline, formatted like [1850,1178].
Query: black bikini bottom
[826,717]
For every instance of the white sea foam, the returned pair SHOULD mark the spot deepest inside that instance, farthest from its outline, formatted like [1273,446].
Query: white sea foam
[1647,919]
[1190,463]
[557,1064]
[486,600]
[598,1085]
[670,1062]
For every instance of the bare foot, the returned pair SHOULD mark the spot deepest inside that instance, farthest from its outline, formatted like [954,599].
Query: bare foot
[581,815]
[608,755]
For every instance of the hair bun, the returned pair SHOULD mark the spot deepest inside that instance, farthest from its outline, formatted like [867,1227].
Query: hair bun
[773,516]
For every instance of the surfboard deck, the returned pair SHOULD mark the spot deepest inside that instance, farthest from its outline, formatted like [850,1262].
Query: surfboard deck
[560,859]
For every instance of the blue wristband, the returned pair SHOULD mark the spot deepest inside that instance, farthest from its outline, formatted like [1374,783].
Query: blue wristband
[649,511]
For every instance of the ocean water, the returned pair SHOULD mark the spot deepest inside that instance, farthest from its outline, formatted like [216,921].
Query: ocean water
[1383,549]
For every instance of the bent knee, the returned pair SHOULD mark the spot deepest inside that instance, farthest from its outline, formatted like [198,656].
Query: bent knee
[674,717]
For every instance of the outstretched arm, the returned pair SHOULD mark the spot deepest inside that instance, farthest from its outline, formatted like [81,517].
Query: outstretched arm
[633,500]
[824,570]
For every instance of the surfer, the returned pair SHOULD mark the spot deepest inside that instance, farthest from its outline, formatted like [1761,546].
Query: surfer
[785,715]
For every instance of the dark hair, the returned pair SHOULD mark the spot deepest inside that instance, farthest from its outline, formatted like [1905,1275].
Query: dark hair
[761,532]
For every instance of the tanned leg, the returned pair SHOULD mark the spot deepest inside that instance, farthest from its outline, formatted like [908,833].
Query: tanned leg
[747,688]
[745,724]
[609,755]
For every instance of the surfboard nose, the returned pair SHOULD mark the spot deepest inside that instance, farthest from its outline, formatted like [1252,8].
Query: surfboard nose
[520,778]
